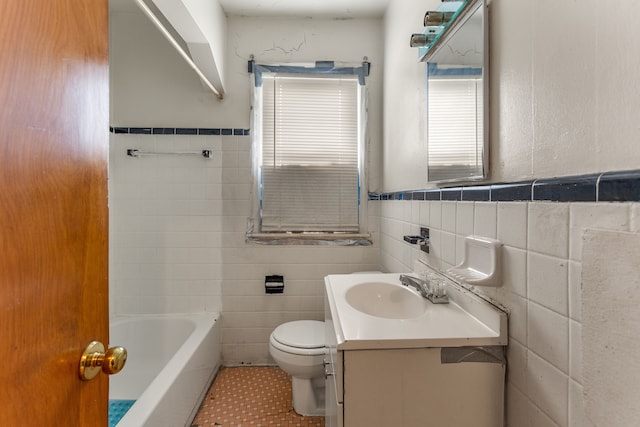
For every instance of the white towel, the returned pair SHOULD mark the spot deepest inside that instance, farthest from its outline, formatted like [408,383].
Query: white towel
[611,328]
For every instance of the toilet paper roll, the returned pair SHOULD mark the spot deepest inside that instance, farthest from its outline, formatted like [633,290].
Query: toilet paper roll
[274,284]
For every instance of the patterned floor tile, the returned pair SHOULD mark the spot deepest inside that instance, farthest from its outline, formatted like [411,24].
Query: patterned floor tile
[251,396]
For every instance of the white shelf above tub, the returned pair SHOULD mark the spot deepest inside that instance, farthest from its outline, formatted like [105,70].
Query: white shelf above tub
[482,263]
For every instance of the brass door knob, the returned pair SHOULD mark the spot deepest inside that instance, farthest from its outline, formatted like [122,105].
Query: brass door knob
[95,359]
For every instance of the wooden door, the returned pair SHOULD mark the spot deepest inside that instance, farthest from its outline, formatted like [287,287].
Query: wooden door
[53,209]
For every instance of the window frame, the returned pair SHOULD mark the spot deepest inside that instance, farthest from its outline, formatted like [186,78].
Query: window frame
[324,69]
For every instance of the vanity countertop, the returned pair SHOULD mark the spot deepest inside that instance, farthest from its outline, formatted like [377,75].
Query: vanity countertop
[467,320]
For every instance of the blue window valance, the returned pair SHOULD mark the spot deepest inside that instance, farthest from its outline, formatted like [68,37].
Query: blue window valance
[320,67]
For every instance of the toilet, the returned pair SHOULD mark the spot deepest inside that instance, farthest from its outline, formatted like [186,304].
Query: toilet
[298,349]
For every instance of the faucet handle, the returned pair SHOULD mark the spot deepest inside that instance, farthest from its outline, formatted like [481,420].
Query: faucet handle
[438,291]
[437,288]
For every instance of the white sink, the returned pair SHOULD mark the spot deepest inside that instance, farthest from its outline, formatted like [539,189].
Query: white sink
[374,311]
[386,300]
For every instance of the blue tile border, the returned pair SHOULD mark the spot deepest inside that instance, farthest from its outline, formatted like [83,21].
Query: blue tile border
[623,186]
[432,195]
[139,131]
[179,131]
[619,186]
[186,131]
[480,193]
[164,131]
[517,191]
[571,189]
[454,193]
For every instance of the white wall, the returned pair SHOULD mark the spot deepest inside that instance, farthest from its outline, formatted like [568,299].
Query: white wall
[216,36]
[178,225]
[564,91]
[150,82]
[202,24]
[404,149]
[564,101]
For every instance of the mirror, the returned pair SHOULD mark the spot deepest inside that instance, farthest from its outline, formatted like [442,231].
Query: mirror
[457,98]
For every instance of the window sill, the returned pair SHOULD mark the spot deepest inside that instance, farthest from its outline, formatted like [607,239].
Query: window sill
[334,239]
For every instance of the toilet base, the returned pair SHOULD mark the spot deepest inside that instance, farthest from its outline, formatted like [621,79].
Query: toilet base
[308,396]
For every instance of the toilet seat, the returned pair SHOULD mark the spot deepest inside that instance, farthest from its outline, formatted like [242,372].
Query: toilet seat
[304,337]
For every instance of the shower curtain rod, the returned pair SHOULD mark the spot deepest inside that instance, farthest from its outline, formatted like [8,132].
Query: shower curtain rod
[133,152]
[179,48]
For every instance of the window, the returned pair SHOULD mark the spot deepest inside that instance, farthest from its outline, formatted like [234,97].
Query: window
[308,150]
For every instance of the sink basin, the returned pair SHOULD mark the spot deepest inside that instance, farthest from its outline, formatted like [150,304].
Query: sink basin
[385,300]
[375,311]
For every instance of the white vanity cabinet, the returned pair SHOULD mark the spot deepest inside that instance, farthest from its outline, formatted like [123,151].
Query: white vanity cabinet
[412,388]
[333,374]
[375,382]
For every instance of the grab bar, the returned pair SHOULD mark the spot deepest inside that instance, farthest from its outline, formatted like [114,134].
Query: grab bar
[133,152]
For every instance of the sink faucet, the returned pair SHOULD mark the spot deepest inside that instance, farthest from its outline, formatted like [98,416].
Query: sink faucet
[436,296]
[420,285]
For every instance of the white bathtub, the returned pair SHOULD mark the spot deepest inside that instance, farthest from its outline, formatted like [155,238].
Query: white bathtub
[171,362]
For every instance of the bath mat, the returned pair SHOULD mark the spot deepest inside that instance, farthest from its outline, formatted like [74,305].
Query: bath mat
[610,325]
[117,409]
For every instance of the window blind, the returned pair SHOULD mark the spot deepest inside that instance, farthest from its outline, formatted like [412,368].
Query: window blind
[454,127]
[309,161]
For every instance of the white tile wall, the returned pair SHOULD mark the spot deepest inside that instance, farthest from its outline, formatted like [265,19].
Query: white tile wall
[547,279]
[178,243]
[485,219]
[544,217]
[541,287]
[165,225]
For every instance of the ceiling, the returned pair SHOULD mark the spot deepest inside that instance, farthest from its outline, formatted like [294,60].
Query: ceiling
[285,8]
[334,8]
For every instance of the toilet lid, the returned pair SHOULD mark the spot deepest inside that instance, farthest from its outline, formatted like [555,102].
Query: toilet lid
[301,334]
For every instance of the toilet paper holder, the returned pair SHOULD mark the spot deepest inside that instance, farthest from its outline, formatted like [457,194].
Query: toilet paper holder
[274,284]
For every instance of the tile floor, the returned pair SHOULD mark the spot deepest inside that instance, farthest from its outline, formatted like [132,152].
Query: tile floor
[251,396]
